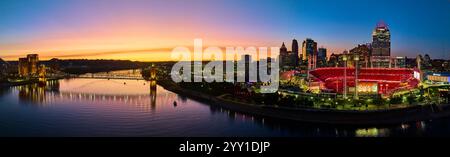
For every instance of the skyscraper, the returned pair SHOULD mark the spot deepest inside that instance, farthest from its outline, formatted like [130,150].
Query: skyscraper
[295,51]
[381,46]
[309,48]
[284,56]
[322,57]
[309,51]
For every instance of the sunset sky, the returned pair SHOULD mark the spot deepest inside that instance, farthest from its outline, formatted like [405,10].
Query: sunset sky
[147,30]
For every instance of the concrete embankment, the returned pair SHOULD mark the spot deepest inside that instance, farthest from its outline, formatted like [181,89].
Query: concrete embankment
[345,117]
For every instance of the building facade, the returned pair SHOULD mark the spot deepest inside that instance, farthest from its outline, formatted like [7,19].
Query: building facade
[284,56]
[399,62]
[309,53]
[295,53]
[23,67]
[33,60]
[309,48]
[381,46]
[321,57]
[29,66]
[363,51]
[334,60]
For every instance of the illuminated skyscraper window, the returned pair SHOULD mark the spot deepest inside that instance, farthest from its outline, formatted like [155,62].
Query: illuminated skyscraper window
[381,45]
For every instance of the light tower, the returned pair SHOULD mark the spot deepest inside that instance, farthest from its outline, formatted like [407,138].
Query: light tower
[356,59]
[345,76]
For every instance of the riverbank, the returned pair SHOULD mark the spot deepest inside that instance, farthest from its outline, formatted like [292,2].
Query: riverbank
[342,117]
[25,82]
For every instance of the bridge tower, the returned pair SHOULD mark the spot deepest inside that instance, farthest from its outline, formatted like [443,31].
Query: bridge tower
[153,70]
[153,86]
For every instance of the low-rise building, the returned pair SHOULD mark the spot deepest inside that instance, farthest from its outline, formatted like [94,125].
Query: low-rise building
[439,77]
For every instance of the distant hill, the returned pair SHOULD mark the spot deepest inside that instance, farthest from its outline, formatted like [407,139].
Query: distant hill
[3,66]
[2,62]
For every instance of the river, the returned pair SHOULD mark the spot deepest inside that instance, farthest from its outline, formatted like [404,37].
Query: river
[101,107]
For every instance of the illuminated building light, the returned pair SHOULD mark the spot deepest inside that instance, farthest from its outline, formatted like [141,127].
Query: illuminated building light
[438,78]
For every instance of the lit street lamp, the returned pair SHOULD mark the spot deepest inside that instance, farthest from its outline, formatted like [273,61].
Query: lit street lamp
[356,59]
[345,76]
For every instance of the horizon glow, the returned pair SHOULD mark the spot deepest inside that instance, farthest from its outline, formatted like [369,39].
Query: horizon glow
[148,30]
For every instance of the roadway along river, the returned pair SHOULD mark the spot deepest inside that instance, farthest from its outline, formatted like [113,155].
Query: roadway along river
[101,107]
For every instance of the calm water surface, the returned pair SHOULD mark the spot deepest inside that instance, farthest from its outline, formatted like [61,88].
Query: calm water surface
[100,107]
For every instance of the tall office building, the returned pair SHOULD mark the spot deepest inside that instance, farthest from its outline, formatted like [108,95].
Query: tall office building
[322,57]
[309,52]
[381,46]
[309,48]
[295,53]
[284,56]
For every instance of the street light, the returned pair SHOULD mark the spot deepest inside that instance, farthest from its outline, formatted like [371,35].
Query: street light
[356,59]
[345,76]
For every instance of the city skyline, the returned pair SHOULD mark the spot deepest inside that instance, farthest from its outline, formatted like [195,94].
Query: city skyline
[253,77]
[145,31]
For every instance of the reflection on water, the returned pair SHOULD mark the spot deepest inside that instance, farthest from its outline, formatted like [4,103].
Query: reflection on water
[372,132]
[50,93]
[95,107]
[35,93]
[153,93]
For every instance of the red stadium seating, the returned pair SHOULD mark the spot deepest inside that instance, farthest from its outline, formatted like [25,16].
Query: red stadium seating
[388,79]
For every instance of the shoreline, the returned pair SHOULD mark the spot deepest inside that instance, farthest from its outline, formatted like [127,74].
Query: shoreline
[32,81]
[322,116]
